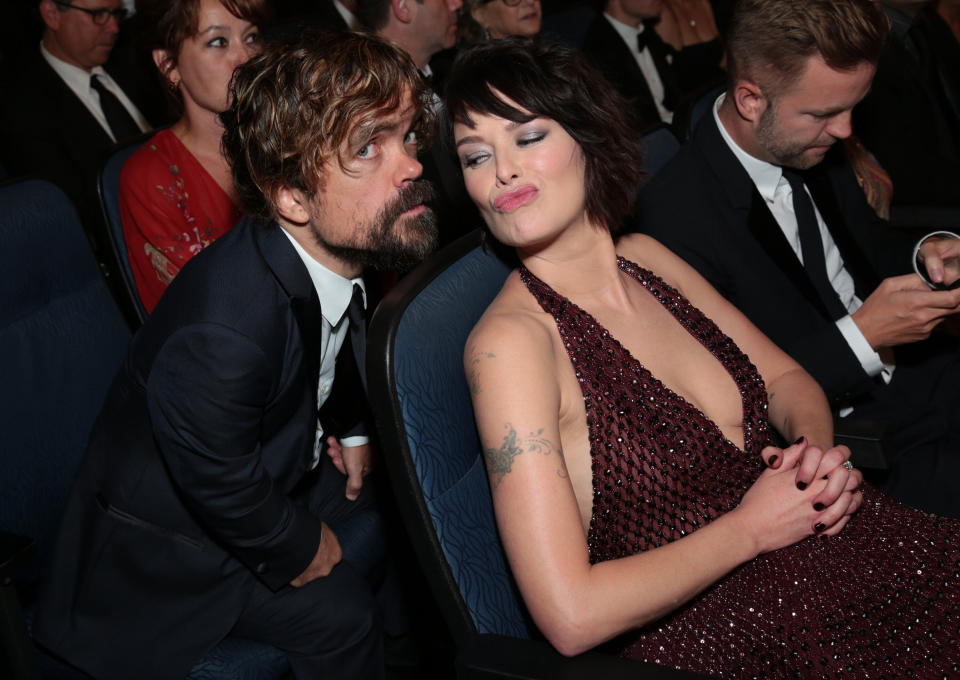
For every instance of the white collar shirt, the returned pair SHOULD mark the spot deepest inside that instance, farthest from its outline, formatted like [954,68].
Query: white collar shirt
[78,80]
[335,293]
[645,61]
[349,18]
[777,194]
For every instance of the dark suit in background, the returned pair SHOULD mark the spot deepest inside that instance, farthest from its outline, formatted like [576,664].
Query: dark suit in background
[685,74]
[704,206]
[910,119]
[195,505]
[615,60]
[46,131]
[292,16]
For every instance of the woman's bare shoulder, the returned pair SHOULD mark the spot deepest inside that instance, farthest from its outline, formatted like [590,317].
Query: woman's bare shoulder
[649,253]
[514,328]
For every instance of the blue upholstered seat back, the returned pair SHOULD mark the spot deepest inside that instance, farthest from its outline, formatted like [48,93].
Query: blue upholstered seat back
[442,437]
[659,146]
[62,339]
[110,202]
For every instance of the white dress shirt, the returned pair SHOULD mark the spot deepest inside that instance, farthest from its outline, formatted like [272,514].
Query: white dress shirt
[776,191]
[335,293]
[349,18]
[646,64]
[78,81]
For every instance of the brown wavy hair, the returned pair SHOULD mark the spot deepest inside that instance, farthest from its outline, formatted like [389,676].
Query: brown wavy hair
[306,100]
[770,41]
[556,82]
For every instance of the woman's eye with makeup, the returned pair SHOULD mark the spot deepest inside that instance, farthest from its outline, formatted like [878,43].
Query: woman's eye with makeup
[217,42]
[531,138]
[473,160]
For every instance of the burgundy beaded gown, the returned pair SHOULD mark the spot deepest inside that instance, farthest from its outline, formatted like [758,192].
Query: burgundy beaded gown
[880,600]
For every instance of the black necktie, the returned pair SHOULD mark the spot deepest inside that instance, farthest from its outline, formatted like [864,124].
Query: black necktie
[811,245]
[356,312]
[118,118]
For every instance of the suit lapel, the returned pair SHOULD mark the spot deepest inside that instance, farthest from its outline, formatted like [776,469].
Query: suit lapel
[87,134]
[293,277]
[663,56]
[855,261]
[746,202]
[617,62]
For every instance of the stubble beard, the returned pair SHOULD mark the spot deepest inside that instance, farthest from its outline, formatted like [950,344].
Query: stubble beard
[392,241]
[785,153]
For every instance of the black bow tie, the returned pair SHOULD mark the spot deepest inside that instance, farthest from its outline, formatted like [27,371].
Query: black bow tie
[643,39]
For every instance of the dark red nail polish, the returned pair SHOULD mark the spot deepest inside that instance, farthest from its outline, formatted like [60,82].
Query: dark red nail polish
[819,526]
[798,440]
[801,485]
[818,506]
[771,460]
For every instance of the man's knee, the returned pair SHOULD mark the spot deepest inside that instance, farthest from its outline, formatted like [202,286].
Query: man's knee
[342,613]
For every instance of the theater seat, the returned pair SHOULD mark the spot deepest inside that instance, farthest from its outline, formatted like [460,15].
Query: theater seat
[108,188]
[62,339]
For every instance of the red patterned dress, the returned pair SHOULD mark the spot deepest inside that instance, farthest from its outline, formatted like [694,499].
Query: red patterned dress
[171,209]
[880,600]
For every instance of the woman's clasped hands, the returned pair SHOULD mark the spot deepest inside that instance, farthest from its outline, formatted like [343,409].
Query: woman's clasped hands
[804,490]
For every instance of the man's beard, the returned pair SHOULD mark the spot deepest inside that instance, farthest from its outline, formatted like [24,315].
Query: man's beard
[785,153]
[393,242]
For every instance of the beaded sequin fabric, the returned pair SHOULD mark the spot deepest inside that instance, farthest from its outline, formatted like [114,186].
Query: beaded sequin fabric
[880,600]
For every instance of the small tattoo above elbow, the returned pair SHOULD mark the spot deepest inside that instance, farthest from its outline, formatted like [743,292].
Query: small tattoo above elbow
[473,373]
[500,460]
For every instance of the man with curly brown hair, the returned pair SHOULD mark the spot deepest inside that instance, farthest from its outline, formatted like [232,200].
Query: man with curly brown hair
[214,498]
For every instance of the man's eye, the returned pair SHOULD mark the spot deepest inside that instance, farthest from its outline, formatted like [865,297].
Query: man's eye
[410,138]
[366,151]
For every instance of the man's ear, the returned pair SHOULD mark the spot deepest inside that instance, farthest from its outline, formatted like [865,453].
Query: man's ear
[402,10]
[292,205]
[50,14]
[749,100]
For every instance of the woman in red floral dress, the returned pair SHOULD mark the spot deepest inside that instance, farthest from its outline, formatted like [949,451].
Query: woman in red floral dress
[176,193]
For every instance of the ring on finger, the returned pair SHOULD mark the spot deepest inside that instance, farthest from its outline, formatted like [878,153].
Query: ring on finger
[847,464]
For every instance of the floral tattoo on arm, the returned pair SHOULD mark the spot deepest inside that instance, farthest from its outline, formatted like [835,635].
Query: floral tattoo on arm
[500,460]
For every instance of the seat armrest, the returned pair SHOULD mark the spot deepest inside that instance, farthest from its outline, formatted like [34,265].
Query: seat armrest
[864,438]
[497,656]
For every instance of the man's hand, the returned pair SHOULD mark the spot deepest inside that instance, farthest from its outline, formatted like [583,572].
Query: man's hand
[327,557]
[940,256]
[353,461]
[903,309]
